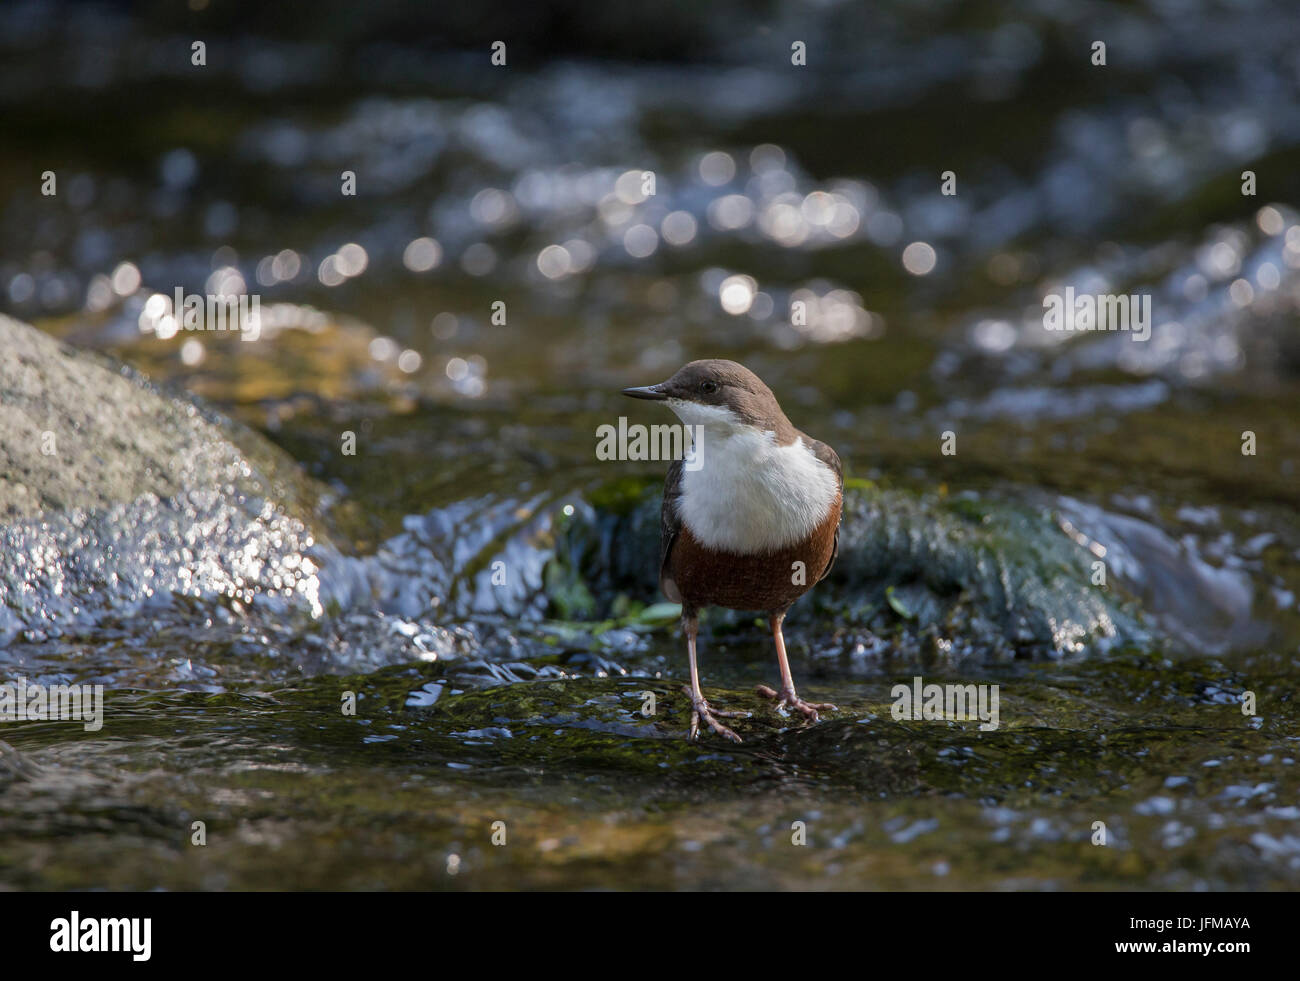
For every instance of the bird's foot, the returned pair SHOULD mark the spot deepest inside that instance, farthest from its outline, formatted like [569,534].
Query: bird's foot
[700,710]
[788,699]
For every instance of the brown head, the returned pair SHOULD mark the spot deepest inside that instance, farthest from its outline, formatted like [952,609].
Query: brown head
[704,391]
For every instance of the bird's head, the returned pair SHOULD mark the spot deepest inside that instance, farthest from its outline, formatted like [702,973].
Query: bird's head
[719,395]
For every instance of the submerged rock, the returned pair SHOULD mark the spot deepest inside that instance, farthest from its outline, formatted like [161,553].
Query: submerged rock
[957,576]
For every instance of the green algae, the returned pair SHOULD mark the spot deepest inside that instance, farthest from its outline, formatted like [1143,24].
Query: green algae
[593,792]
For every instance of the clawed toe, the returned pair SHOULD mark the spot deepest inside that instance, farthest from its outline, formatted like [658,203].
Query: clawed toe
[788,699]
[700,710]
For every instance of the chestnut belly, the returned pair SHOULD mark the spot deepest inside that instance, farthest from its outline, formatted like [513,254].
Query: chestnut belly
[769,581]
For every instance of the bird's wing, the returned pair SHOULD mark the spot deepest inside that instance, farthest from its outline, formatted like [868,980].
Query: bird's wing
[829,457]
[670,524]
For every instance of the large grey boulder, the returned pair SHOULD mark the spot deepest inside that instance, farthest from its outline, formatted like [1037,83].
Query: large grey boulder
[115,495]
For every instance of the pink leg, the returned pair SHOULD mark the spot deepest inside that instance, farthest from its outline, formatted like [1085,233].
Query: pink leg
[699,707]
[788,697]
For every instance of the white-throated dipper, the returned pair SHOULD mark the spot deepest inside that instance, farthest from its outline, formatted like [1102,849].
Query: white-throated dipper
[755,525]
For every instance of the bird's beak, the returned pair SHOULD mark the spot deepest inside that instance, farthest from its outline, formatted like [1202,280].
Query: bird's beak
[654,393]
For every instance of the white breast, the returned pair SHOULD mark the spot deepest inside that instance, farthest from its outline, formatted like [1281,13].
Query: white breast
[748,494]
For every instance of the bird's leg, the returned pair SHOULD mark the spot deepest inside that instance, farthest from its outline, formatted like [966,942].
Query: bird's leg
[787,697]
[699,707]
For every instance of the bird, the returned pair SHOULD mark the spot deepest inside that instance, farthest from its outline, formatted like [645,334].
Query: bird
[750,517]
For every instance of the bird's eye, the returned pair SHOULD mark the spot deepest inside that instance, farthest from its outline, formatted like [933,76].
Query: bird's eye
[708,387]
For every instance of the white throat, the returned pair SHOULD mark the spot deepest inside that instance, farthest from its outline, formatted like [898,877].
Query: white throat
[750,495]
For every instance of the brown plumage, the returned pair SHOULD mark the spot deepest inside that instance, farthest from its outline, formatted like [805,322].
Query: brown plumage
[696,576]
